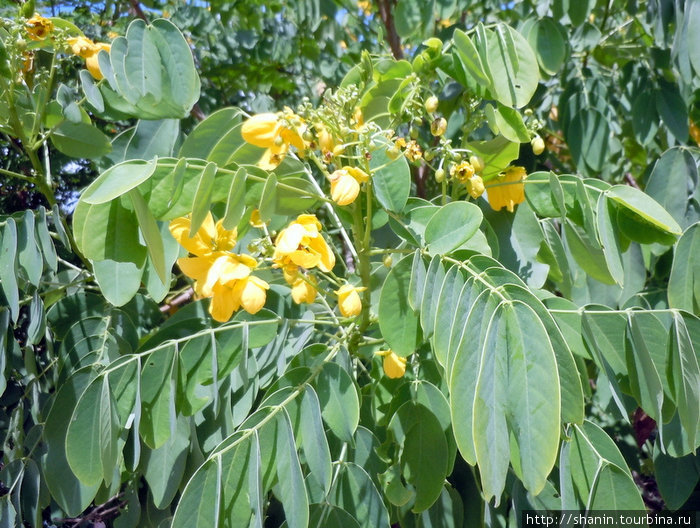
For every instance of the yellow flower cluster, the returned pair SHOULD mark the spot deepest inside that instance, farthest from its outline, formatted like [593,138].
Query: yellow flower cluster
[276,133]
[219,274]
[38,27]
[508,189]
[89,50]
[301,245]
[464,172]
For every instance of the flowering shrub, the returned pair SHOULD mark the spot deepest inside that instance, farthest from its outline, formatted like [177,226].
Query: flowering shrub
[360,311]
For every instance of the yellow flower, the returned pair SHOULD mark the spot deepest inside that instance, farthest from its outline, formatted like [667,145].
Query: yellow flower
[27,61]
[210,238]
[475,186]
[325,139]
[91,62]
[394,366]
[345,184]
[462,172]
[349,302]
[301,244]
[413,151]
[81,46]
[255,220]
[219,274]
[438,126]
[357,117]
[112,34]
[38,27]
[275,133]
[508,189]
[365,6]
[304,290]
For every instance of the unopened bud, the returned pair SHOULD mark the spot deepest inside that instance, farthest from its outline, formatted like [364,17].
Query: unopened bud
[388,260]
[438,127]
[440,175]
[477,163]
[537,144]
[431,104]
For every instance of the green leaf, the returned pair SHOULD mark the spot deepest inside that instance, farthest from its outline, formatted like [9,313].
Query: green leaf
[588,136]
[548,39]
[354,491]
[163,468]
[8,269]
[397,322]
[600,476]
[80,140]
[451,226]
[469,57]
[533,399]
[685,378]
[151,233]
[644,208]
[693,34]
[119,281]
[197,506]
[672,183]
[118,180]
[609,240]
[92,93]
[313,440]
[84,435]
[212,139]
[587,253]
[157,396]
[203,197]
[434,278]
[235,204]
[424,457]
[391,183]
[340,405]
[644,377]
[291,482]
[268,199]
[672,109]
[514,73]
[684,283]
[676,477]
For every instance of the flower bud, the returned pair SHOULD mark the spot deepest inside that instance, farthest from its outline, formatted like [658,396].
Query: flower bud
[438,127]
[349,302]
[394,366]
[393,152]
[440,175]
[388,261]
[537,144]
[431,104]
[477,163]
[344,188]
[475,186]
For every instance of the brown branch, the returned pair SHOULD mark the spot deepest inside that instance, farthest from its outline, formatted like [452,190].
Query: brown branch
[629,180]
[177,301]
[136,6]
[385,13]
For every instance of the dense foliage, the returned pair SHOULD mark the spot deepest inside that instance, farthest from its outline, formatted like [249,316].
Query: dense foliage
[348,264]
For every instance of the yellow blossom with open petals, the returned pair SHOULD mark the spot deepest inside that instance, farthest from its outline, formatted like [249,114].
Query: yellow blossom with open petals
[302,244]
[462,172]
[349,302]
[394,365]
[219,274]
[209,238]
[508,189]
[38,27]
[274,132]
[413,151]
[304,290]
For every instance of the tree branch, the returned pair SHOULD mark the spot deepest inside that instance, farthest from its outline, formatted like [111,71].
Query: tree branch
[385,13]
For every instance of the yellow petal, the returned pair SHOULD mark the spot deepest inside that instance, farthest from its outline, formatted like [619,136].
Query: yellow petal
[223,304]
[327,258]
[225,239]
[349,302]
[81,46]
[304,291]
[289,239]
[195,267]
[253,294]
[201,244]
[38,27]
[261,130]
[394,366]
[305,258]
[271,158]
[357,173]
